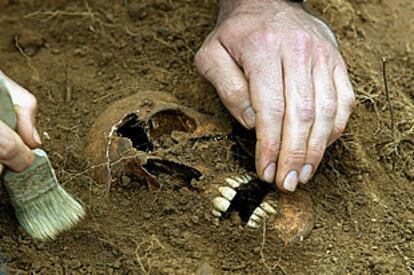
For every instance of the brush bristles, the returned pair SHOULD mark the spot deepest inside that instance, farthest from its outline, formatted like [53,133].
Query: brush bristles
[48,215]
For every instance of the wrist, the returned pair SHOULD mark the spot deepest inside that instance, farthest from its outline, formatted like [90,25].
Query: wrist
[228,7]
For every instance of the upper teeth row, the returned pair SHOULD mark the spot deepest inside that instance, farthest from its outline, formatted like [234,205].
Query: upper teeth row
[235,182]
[222,203]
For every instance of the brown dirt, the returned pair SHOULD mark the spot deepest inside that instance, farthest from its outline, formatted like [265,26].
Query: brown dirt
[78,58]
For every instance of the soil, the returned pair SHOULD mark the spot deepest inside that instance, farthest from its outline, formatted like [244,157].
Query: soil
[78,57]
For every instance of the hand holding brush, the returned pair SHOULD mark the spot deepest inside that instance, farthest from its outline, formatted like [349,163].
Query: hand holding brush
[42,206]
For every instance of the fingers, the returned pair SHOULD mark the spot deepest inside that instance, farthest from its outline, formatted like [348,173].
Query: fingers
[26,126]
[345,101]
[266,88]
[26,105]
[325,111]
[299,115]
[13,152]
[217,66]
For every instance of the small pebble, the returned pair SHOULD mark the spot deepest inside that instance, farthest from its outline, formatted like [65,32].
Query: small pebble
[56,51]
[197,255]
[28,41]
[195,219]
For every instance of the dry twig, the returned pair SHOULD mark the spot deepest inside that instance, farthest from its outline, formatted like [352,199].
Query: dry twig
[153,242]
[36,75]
[262,256]
[384,74]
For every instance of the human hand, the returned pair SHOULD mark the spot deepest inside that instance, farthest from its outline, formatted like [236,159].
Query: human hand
[277,68]
[15,147]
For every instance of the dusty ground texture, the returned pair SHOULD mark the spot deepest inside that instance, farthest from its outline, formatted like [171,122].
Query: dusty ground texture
[78,57]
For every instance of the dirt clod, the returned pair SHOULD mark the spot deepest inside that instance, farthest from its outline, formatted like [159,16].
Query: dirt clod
[29,42]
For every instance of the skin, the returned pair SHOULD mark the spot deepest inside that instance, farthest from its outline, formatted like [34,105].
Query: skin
[15,147]
[277,68]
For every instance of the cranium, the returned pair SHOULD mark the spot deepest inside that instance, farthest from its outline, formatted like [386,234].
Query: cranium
[149,133]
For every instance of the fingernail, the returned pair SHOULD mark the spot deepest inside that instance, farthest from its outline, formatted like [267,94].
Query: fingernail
[269,172]
[36,136]
[305,173]
[249,117]
[291,181]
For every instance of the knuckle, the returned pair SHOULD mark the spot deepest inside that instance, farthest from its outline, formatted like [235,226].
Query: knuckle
[9,150]
[206,61]
[316,150]
[227,27]
[267,38]
[232,92]
[272,147]
[200,59]
[263,40]
[328,108]
[294,155]
[300,42]
[323,50]
[277,107]
[306,112]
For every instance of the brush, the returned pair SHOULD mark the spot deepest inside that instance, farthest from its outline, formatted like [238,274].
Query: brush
[43,208]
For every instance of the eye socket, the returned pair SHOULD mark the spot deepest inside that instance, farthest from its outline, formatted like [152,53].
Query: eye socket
[165,122]
[134,129]
[144,136]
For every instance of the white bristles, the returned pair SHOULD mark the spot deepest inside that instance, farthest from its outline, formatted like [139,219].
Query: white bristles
[44,209]
[50,214]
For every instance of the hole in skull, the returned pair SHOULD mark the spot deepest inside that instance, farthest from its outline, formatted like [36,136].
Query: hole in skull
[173,169]
[248,197]
[134,129]
[165,122]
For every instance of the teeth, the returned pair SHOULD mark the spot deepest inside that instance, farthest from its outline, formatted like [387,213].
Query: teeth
[263,211]
[252,224]
[221,204]
[227,192]
[234,184]
[247,178]
[216,213]
[255,218]
[267,207]
[259,212]
[241,180]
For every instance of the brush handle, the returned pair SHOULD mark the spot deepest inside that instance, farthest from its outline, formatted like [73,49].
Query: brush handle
[7,111]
